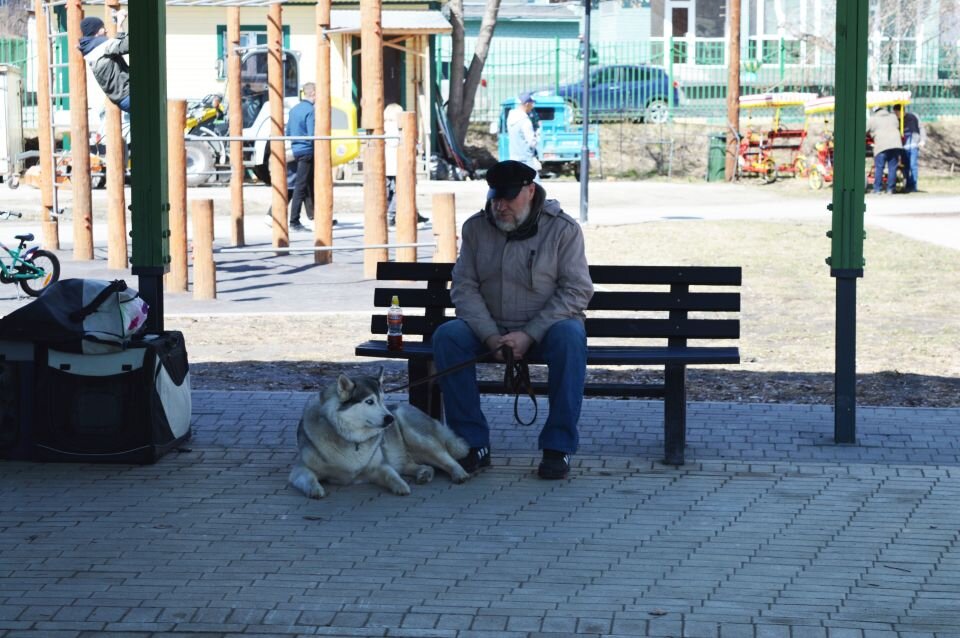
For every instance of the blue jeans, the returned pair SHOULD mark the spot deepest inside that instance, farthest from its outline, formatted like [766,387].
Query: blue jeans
[913,160]
[564,349]
[124,104]
[891,158]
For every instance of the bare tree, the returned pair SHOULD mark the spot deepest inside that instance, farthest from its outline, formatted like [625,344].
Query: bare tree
[13,18]
[463,87]
[896,28]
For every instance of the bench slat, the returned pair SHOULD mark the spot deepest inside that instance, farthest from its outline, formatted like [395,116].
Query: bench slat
[596,355]
[705,275]
[656,328]
[414,271]
[633,390]
[633,275]
[625,328]
[602,300]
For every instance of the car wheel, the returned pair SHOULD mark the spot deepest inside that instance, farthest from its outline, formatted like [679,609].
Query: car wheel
[657,112]
[199,163]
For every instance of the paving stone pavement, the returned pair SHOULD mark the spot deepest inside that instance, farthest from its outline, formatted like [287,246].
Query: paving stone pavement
[770,530]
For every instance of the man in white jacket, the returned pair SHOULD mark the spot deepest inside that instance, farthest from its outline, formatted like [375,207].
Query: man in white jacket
[523,139]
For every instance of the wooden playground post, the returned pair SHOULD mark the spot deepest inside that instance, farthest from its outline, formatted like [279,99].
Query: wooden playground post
[234,100]
[50,228]
[176,278]
[374,168]
[116,168]
[323,165]
[278,154]
[204,270]
[407,187]
[80,138]
[445,227]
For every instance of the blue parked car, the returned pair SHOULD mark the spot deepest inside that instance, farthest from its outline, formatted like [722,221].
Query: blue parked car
[560,141]
[626,91]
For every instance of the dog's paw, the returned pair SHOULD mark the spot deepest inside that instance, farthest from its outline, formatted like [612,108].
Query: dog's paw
[424,474]
[315,492]
[459,475]
[401,489]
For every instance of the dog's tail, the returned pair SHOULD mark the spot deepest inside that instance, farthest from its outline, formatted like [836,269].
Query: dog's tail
[457,447]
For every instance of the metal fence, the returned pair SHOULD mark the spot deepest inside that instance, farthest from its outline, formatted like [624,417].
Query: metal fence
[930,71]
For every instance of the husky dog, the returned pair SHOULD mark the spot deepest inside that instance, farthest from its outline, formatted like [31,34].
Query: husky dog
[347,434]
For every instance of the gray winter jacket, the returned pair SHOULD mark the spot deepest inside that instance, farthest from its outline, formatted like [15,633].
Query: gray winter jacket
[105,57]
[884,127]
[502,284]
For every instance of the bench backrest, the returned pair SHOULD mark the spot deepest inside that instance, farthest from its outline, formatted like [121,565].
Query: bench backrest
[623,304]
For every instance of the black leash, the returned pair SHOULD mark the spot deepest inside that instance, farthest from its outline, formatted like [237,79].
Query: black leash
[516,379]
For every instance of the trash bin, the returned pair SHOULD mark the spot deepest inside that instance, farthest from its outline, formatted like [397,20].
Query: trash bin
[716,157]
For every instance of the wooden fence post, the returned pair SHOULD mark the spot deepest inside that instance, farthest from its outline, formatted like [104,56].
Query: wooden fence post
[176,279]
[323,163]
[407,187]
[204,270]
[80,182]
[116,167]
[445,227]
[48,174]
[374,170]
[236,127]
[278,153]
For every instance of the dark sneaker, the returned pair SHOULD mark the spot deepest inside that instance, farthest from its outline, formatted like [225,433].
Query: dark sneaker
[475,459]
[299,228]
[555,465]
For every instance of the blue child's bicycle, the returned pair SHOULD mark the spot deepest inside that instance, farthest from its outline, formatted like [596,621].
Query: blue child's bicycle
[34,269]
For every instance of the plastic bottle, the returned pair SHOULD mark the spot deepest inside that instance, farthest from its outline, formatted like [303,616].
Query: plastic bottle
[395,325]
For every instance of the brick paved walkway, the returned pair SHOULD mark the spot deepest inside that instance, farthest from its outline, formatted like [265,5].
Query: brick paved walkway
[769,530]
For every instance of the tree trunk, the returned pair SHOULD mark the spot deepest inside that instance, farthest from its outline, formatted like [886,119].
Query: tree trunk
[463,90]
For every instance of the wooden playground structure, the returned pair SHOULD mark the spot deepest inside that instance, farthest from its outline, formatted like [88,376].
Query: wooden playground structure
[373,138]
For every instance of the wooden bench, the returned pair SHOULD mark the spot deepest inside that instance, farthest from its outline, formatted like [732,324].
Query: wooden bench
[639,316]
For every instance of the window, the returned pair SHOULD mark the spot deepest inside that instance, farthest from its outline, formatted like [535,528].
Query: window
[711,18]
[250,36]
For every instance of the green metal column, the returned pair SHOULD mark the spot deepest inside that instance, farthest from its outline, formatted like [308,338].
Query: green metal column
[846,255]
[150,203]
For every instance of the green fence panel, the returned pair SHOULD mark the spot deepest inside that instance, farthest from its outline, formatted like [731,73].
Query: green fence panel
[515,65]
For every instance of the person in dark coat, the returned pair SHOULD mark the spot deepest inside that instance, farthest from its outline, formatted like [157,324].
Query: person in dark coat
[105,57]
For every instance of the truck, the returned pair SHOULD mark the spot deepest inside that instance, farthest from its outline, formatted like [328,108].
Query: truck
[560,142]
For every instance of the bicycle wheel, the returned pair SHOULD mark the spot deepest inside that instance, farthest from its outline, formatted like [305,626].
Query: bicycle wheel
[40,261]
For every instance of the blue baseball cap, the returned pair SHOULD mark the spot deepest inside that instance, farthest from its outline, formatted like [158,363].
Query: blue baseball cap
[526,97]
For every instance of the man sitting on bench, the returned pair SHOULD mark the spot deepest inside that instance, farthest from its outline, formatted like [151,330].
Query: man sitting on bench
[521,280]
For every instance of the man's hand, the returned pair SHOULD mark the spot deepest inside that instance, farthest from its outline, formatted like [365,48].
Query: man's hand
[517,341]
[493,343]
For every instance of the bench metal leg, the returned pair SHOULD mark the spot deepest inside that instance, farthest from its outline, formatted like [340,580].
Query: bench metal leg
[675,414]
[427,396]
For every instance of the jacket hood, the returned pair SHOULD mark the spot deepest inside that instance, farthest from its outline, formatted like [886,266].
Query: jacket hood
[90,42]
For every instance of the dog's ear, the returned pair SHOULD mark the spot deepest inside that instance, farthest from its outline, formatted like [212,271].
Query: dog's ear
[380,377]
[345,386]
